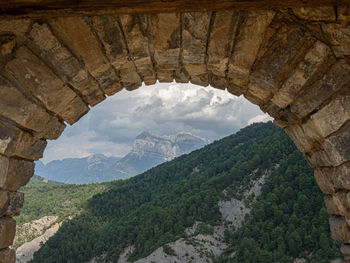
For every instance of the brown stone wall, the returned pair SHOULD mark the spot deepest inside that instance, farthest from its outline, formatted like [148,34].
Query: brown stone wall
[293,63]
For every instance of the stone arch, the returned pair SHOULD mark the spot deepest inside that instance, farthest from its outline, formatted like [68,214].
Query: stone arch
[293,63]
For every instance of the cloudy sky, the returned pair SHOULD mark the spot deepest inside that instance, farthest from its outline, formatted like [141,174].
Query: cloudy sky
[162,109]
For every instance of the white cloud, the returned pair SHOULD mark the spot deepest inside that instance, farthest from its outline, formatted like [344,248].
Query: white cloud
[260,118]
[163,109]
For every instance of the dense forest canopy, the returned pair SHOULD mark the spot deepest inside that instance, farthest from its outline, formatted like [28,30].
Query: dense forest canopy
[147,211]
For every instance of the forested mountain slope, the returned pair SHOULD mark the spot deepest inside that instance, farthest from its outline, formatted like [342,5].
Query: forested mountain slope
[148,211]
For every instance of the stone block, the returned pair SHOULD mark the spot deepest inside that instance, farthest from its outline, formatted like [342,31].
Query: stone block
[339,229]
[68,68]
[319,158]
[33,75]
[218,82]
[29,147]
[340,200]
[137,29]
[338,34]
[165,75]
[14,173]
[75,111]
[150,80]
[111,36]
[345,249]
[15,203]
[223,30]
[200,80]
[332,116]
[324,180]
[344,12]
[53,130]
[337,146]
[247,43]
[181,76]
[81,39]
[166,38]
[313,59]
[337,178]
[330,205]
[7,46]
[16,107]
[194,42]
[4,202]
[17,26]
[234,89]
[313,96]
[297,134]
[315,13]
[7,231]
[278,62]
[109,81]
[15,142]
[7,255]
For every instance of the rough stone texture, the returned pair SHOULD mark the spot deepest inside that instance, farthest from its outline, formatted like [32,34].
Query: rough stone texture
[249,37]
[297,134]
[339,229]
[340,200]
[7,255]
[53,130]
[324,180]
[65,64]
[332,116]
[330,205]
[313,59]
[344,13]
[220,42]
[33,75]
[7,231]
[166,37]
[137,29]
[331,178]
[194,37]
[321,13]
[337,146]
[339,36]
[112,39]
[80,37]
[10,203]
[15,203]
[4,201]
[16,107]
[313,96]
[14,173]
[15,142]
[277,60]
[345,249]
[75,110]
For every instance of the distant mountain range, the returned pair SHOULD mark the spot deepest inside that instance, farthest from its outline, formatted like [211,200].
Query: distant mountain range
[148,151]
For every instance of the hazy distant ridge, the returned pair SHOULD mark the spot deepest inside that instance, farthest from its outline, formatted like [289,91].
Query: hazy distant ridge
[148,150]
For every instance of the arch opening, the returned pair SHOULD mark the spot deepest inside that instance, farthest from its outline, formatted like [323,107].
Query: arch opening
[164,111]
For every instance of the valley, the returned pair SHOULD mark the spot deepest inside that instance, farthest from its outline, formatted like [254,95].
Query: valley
[250,197]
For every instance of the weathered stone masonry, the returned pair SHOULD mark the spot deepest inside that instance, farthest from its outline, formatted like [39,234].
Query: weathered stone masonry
[293,63]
